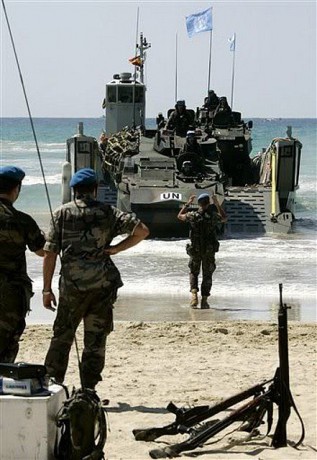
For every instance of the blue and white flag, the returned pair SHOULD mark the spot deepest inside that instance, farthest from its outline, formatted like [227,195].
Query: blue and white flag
[232,42]
[199,22]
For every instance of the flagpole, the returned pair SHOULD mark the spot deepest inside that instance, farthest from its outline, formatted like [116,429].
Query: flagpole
[176,64]
[233,68]
[209,63]
[136,39]
[134,76]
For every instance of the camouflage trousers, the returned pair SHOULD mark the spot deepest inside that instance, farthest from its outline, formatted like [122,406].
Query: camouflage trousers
[14,304]
[95,309]
[207,263]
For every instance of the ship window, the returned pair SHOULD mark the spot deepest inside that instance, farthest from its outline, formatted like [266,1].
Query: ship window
[112,93]
[125,94]
[139,94]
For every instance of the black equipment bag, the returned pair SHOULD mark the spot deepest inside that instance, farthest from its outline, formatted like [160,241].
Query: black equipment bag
[22,371]
[83,428]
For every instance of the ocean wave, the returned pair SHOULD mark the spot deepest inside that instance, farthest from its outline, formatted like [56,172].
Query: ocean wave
[27,145]
[38,180]
[306,203]
[218,290]
[33,151]
[308,185]
[306,223]
[167,286]
[16,143]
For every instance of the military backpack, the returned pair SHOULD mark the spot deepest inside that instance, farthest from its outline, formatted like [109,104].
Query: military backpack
[83,429]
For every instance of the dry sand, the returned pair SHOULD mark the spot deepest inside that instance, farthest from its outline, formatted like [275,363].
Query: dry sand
[193,363]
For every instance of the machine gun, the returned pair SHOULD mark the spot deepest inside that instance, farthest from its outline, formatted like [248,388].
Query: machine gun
[251,414]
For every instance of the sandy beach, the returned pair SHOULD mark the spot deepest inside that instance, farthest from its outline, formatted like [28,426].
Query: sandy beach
[149,364]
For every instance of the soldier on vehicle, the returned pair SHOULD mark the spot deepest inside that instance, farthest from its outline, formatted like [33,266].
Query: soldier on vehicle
[211,102]
[191,144]
[17,232]
[103,140]
[82,231]
[180,120]
[204,243]
[223,105]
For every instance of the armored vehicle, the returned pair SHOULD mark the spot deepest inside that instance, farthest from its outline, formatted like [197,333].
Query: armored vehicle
[152,172]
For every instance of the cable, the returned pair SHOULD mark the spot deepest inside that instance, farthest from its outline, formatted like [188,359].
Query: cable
[40,161]
[28,107]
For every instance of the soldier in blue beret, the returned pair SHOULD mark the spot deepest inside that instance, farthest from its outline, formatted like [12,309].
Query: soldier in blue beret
[82,232]
[12,173]
[85,176]
[203,197]
[17,232]
[204,243]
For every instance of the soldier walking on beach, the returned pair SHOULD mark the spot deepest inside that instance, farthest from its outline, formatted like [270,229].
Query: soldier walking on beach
[204,243]
[82,231]
[17,232]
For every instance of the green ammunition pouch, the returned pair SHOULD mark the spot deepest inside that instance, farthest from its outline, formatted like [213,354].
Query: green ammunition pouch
[28,295]
[192,251]
[21,285]
[216,246]
[25,284]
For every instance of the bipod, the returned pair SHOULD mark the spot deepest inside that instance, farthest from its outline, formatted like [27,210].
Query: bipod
[251,414]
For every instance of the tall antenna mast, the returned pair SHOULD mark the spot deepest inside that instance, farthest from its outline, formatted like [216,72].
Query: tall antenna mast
[232,42]
[136,40]
[176,65]
[144,45]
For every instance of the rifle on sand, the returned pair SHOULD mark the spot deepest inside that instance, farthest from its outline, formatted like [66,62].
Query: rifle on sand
[251,414]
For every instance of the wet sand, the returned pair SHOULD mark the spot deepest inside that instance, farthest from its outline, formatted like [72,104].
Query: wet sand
[154,307]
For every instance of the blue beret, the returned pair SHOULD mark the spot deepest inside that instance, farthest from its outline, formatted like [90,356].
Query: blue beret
[203,196]
[12,172]
[84,176]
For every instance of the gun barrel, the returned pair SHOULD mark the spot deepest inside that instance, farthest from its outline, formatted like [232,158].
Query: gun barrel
[283,388]
[281,291]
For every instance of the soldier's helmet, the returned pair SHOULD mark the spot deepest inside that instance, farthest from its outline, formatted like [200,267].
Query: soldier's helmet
[180,104]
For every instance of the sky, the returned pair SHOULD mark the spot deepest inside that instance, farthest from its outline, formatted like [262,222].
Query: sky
[69,50]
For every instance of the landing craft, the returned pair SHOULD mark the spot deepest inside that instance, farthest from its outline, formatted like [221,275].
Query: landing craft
[152,172]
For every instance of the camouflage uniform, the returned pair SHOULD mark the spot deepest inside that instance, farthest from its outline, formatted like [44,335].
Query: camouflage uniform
[89,280]
[180,122]
[204,245]
[17,231]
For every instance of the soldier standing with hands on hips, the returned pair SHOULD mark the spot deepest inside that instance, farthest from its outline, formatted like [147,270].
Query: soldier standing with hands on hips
[203,243]
[82,231]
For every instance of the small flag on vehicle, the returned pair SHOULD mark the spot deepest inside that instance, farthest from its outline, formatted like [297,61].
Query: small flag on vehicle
[136,60]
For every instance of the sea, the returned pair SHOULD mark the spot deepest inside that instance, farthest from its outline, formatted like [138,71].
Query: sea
[250,269]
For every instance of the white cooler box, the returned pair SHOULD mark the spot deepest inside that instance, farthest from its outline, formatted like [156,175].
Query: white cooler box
[27,425]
